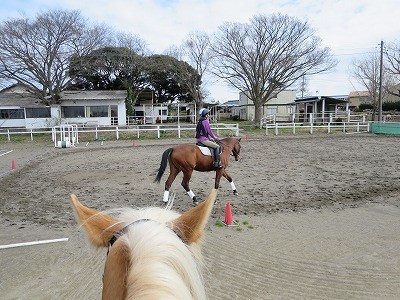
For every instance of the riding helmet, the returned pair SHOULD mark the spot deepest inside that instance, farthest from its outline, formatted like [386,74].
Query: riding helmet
[204,111]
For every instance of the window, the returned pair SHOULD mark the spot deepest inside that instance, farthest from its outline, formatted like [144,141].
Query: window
[98,111]
[72,111]
[12,114]
[114,111]
[40,112]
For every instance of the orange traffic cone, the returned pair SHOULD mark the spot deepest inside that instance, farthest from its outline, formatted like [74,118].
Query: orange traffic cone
[134,143]
[13,165]
[228,215]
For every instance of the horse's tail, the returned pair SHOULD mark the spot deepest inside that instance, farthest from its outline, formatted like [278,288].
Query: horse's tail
[163,164]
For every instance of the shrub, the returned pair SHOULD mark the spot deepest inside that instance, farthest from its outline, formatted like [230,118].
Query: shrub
[364,106]
[387,106]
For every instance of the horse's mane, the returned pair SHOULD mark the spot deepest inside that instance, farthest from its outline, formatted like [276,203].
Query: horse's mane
[162,265]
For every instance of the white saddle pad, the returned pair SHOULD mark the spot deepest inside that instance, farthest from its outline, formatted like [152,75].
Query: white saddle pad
[205,150]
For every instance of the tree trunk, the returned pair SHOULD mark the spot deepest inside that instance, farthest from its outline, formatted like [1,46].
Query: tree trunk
[257,113]
[129,102]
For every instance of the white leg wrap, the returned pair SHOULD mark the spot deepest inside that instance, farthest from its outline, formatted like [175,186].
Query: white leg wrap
[191,194]
[166,196]
[233,186]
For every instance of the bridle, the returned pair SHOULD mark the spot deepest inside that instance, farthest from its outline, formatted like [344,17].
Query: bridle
[120,233]
[124,230]
[234,153]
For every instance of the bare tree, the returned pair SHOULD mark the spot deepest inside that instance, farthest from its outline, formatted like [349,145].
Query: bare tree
[392,55]
[196,51]
[197,48]
[367,72]
[37,52]
[267,55]
[132,42]
[175,51]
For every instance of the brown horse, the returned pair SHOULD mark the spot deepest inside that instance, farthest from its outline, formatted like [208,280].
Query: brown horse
[188,157]
[153,253]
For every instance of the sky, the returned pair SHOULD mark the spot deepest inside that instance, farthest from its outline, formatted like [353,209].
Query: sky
[352,29]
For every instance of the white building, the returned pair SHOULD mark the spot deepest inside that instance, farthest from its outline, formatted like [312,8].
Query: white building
[103,108]
[20,109]
[281,104]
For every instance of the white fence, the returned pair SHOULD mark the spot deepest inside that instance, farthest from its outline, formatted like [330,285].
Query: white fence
[329,127]
[338,121]
[328,117]
[137,130]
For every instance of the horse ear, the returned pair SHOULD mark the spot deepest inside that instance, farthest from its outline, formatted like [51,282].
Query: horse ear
[190,225]
[99,227]
[239,139]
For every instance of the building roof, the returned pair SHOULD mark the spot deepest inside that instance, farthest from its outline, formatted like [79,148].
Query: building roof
[97,95]
[16,95]
[25,100]
[356,94]
[229,103]
[328,100]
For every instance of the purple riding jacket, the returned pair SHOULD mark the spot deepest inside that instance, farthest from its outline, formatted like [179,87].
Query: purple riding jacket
[207,128]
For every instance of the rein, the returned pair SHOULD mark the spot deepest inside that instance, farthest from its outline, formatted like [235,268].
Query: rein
[234,153]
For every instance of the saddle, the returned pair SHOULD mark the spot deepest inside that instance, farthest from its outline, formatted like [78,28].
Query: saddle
[207,151]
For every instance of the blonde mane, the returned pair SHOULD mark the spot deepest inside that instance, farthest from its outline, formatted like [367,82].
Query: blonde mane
[153,254]
[162,265]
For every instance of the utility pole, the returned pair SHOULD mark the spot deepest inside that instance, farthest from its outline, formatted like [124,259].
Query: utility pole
[380,85]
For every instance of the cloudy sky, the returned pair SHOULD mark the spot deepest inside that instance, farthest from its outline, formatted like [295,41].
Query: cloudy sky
[352,29]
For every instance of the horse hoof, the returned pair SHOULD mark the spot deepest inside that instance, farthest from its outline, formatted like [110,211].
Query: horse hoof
[195,202]
[235,192]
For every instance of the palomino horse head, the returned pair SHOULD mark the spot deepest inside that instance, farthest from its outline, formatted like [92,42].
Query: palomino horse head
[154,253]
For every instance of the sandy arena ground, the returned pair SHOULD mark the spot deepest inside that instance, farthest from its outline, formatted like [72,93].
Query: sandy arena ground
[321,214]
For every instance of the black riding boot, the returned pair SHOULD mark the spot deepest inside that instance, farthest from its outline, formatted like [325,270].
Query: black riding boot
[217,163]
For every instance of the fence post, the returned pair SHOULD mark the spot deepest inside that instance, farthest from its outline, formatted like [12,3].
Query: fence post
[294,128]
[158,131]
[179,129]
[344,127]
[329,127]
[138,134]
[96,132]
[116,132]
[358,126]
[237,129]
[311,123]
[266,129]
[31,135]
[276,128]
[8,135]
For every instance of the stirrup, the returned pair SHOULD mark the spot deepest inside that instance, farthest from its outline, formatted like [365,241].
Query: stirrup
[217,164]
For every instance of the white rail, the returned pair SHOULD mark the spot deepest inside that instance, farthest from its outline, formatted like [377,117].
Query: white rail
[349,126]
[117,130]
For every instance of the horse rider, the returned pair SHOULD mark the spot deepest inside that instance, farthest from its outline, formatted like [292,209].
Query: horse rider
[206,136]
